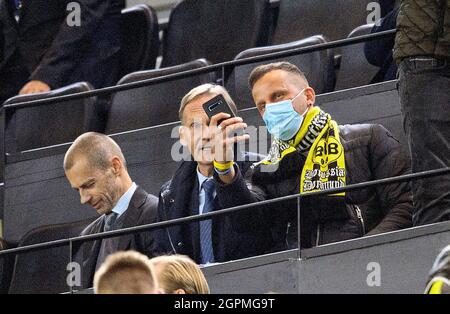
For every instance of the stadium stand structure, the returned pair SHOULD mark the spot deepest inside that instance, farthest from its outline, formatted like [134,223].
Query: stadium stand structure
[317,65]
[354,69]
[231,26]
[31,126]
[140,39]
[5,268]
[44,271]
[299,19]
[35,180]
[153,104]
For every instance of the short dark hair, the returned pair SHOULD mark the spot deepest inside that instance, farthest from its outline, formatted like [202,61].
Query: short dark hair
[262,70]
[96,147]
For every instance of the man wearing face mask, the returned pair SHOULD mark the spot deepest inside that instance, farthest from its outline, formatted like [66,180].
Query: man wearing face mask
[312,153]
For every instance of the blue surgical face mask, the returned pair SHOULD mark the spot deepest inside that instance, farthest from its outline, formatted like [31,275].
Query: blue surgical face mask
[282,120]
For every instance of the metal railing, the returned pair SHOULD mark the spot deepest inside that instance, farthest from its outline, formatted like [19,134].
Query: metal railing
[224,67]
[78,241]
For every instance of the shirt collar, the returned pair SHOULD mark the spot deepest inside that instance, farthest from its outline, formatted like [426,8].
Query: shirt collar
[201,179]
[124,201]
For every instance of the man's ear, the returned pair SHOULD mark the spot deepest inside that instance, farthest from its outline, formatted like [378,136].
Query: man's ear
[310,96]
[116,165]
[183,135]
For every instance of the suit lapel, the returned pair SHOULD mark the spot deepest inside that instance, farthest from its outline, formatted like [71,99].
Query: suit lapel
[194,227]
[131,217]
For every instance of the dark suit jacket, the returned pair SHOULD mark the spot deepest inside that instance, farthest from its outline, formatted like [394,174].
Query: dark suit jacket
[180,198]
[56,53]
[142,210]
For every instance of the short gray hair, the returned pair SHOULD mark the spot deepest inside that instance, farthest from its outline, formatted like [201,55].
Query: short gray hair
[209,88]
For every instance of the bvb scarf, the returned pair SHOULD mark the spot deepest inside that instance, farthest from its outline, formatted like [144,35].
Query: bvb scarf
[318,139]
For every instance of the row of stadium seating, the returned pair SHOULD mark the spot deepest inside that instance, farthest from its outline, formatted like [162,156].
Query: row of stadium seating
[38,196]
[36,193]
[158,103]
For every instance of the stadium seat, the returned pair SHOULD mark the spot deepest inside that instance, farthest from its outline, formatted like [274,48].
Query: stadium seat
[45,271]
[335,19]
[154,104]
[31,127]
[5,268]
[355,70]
[318,67]
[216,30]
[140,39]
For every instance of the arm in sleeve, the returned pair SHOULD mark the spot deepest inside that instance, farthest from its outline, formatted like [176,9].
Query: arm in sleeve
[66,49]
[377,51]
[241,192]
[395,200]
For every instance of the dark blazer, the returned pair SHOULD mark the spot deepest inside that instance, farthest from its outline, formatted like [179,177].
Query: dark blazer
[141,211]
[56,53]
[179,198]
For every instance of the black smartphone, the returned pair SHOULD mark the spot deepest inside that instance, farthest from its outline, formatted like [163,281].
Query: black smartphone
[217,105]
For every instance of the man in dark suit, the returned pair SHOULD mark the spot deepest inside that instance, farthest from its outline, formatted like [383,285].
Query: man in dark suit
[42,47]
[212,181]
[96,168]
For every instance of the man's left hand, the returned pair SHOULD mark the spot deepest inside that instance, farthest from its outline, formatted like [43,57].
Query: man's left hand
[33,87]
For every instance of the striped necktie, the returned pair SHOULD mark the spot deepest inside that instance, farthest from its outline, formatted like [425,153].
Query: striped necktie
[205,225]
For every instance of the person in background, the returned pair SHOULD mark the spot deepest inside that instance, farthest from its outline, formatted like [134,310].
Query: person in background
[439,279]
[178,274]
[43,47]
[422,52]
[379,52]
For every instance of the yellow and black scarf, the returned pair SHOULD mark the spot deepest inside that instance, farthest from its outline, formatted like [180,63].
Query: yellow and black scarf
[318,139]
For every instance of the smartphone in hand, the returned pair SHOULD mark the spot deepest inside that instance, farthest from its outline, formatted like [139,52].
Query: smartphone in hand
[217,105]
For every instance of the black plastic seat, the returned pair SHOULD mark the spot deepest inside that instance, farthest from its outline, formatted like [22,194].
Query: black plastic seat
[45,271]
[335,19]
[318,67]
[154,104]
[355,70]
[216,30]
[140,39]
[32,127]
[6,264]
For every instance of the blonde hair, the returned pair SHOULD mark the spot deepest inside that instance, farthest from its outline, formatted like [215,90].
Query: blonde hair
[179,272]
[125,273]
[209,88]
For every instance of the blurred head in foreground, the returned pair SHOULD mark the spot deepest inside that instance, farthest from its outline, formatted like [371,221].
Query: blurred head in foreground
[126,273]
[178,274]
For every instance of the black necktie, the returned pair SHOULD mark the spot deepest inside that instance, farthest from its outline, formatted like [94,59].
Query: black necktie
[109,221]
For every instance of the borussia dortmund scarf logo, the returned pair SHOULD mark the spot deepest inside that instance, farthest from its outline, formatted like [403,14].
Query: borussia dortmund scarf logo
[318,137]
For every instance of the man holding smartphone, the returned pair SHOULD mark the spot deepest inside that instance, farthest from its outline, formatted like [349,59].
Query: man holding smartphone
[211,181]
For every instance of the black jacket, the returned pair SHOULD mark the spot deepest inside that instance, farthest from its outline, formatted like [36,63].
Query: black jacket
[59,54]
[371,153]
[141,211]
[179,198]
[379,52]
